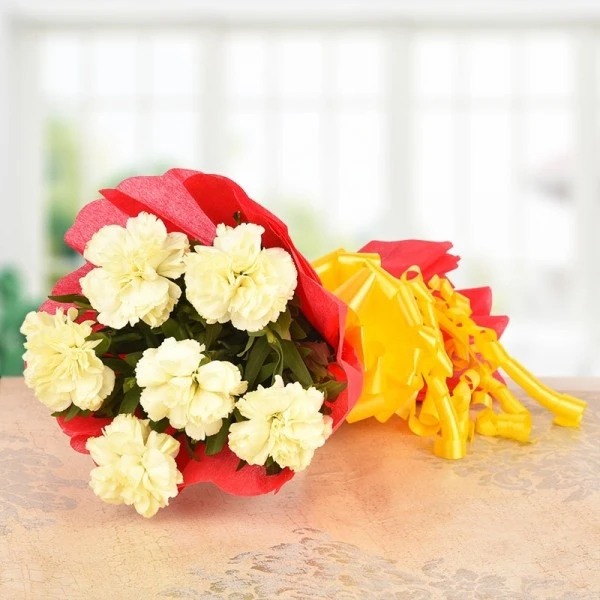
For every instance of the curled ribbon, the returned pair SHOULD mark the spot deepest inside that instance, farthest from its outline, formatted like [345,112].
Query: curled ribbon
[420,340]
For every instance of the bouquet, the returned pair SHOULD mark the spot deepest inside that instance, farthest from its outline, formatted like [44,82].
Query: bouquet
[197,344]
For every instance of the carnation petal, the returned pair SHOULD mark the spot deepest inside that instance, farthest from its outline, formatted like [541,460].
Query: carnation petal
[241,244]
[145,231]
[249,440]
[172,264]
[221,376]
[135,465]
[134,263]
[289,417]
[86,394]
[62,367]
[152,401]
[105,248]
[209,283]
[102,288]
[171,359]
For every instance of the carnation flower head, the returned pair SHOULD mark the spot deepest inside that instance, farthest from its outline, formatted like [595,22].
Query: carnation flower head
[136,466]
[135,265]
[284,422]
[235,280]
[193,396]
[62,367]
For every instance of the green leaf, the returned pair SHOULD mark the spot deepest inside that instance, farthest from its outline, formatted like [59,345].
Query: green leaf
[282,325]
[171,328]
[159,426]
[130,336]
[149,335]
[241,465]
[102,348]
[131,400]
[191,448]
[272,337]
[215,443]
[275,343]
[293,361]
[237,217]
[267,371]
[332,389]
[296,331]
[259,333]
[72,411]
[113,398]
[271,467]
[186,310]
[247,347]
[211,334]
[233,345]
[133,358]
[256,358]
[118,365]
[77,299]
[129,384]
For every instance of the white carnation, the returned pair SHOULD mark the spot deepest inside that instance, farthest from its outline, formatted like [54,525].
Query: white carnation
[62,367]
[241,244]
[134,267]
[210,283]
[136,466]
[284,422]
[237,281]
[192,396]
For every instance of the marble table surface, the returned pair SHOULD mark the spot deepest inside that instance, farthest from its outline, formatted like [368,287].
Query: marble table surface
[375,516]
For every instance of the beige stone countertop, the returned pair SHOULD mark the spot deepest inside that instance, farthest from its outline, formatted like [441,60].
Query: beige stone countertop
[376,515]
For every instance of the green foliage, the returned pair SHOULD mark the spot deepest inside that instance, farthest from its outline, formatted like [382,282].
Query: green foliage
[62,182]
[215,443]
[131,400]
[289,347]
[76,299]
[13,308]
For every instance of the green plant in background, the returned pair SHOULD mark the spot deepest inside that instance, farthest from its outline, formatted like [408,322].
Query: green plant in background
[13,308]
[62,184]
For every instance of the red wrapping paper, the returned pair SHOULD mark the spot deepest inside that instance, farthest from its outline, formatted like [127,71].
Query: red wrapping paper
[195,203]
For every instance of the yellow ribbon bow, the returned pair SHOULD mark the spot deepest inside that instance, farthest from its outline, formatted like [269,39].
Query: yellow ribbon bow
[419,335]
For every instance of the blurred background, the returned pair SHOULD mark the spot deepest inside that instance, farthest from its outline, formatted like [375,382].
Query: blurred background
[475,122]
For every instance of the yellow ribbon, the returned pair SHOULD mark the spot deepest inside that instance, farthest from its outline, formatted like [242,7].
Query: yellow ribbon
[418,335]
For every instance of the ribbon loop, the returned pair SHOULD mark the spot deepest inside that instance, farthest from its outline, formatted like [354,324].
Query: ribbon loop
[420,340]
